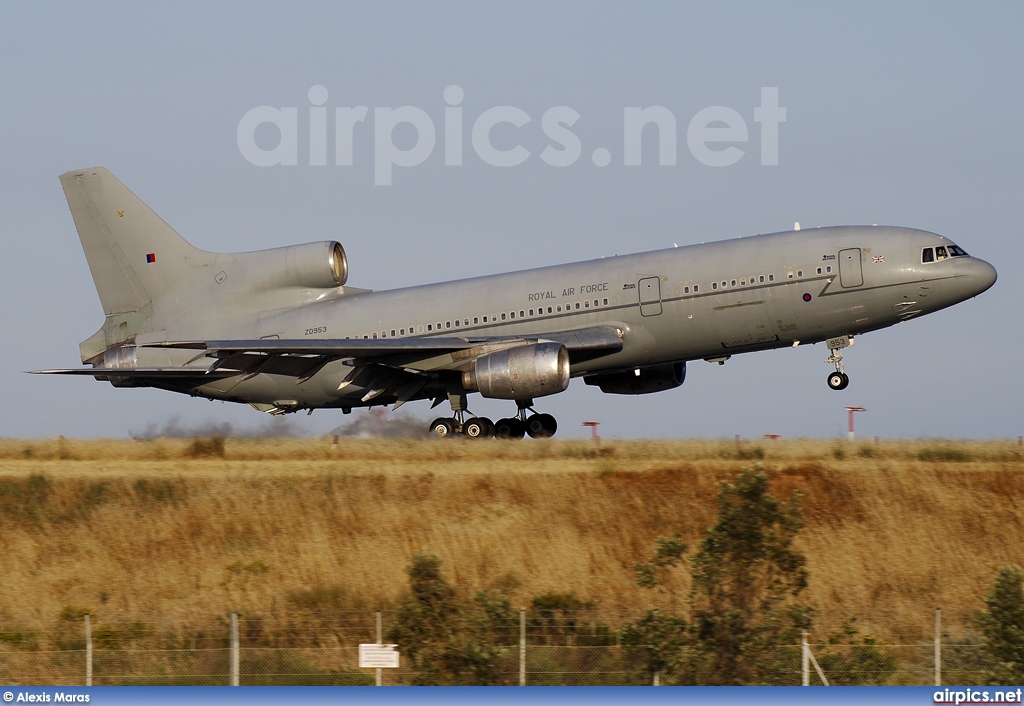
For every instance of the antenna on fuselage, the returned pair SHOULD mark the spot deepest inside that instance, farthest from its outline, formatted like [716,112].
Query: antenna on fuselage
[796,226]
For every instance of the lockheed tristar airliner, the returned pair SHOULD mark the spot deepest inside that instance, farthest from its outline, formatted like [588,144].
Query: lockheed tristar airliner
[281,331]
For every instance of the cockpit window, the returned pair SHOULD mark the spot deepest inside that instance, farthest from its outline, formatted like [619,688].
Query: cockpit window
[941,252]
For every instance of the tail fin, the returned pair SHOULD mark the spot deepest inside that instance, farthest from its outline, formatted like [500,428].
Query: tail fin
[134,256]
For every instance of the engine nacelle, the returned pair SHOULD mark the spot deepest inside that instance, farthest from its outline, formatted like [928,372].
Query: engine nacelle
[653,378]
[322,265]
[520,373]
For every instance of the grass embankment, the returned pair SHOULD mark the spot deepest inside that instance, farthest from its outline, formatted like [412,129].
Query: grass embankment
[893,530]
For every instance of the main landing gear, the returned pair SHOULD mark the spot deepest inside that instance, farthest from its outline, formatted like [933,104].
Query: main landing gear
[839,379]
[538,426]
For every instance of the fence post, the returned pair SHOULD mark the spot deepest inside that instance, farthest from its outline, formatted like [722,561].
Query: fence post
[938,647]
[233,679]
[805,662]
[88,651]
[380,641]
[657,680]
[522,647]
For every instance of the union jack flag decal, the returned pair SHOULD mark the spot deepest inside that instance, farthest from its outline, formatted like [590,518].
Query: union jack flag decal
[878,258]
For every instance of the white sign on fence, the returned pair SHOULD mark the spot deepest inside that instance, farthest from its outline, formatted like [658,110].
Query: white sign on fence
[374,655]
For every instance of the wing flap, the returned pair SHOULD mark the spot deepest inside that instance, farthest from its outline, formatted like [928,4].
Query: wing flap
[182,374]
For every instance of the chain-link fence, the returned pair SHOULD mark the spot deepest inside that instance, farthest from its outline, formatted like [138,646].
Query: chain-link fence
[315,648]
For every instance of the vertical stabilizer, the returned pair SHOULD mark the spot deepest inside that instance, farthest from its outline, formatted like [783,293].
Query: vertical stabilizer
[134,256]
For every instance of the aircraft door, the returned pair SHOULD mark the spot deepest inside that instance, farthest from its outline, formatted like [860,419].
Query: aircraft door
[850,272]
[650,296]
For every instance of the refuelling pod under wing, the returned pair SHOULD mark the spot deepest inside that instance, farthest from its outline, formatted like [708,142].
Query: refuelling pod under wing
[520,373]
[641,381]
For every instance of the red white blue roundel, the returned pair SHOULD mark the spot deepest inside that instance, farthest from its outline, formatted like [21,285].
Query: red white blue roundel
[807,296]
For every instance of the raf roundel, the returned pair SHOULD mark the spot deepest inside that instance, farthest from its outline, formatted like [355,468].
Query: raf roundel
[807,297]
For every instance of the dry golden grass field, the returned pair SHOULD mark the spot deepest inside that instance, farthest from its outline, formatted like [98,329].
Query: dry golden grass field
[893,529]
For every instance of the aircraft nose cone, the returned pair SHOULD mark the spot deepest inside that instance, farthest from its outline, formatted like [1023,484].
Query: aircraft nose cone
[981,276]
[985,276]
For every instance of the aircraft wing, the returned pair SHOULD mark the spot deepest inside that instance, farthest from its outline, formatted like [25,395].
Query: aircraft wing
[302,358]
[400,367]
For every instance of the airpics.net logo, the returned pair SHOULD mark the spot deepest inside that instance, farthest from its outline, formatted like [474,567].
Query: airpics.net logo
[712,134]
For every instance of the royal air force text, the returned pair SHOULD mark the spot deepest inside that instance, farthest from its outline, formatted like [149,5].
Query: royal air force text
[568,292]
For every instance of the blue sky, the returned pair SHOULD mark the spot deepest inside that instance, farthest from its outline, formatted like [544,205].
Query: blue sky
[897,113]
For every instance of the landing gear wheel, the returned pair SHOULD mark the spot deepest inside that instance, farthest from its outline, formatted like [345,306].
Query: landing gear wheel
[442,428]
[838,380]
[478,428]
[509,429]
[541,426]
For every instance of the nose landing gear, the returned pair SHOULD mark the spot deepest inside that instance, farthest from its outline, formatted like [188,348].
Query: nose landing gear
[839,379]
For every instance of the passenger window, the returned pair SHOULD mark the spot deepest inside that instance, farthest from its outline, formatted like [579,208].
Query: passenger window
[940,253]
[819,270]
[799,273]
[438,325]
[559,308]
[447,324]
[714,285]
[402,331]
[476,319]
[789,275]
[595,302]
[586,305]
[531,312]
[771,278]
[686,290]
[513,314]
[521,313]
[828,269]
[502,317]
[696,288]
[456,323]
[393,332]
[734,283]
[577,306]
[430,327]
[606,302]
[761,278]
[743,283]
[375,334]
[549,309]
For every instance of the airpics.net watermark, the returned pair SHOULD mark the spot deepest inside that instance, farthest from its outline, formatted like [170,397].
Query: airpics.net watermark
[711,135]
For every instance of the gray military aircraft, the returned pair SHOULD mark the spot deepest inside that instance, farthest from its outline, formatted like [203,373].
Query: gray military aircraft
[281,331]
